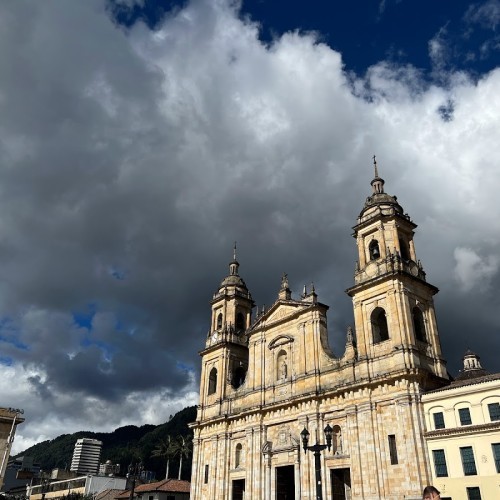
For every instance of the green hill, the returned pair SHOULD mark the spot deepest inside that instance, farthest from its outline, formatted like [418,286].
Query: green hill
[125,445]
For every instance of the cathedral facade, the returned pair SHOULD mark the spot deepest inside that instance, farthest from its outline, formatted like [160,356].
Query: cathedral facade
[267,377]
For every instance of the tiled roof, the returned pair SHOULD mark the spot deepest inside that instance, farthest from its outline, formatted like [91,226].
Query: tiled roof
[468,381]
[168,485]
[108,493]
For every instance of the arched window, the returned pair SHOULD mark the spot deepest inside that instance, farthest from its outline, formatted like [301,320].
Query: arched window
[418,324]
[337,440]
[374,250]
[237,455]
[212,381]
[379,326]
[403,249]
[239,375]
[240,321]
[219,321]
[281,366]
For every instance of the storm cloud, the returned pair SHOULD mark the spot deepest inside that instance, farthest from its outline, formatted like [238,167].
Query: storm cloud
[132,159]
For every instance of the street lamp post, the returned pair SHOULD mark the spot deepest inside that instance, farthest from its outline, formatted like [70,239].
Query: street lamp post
[317,449]
[134,471]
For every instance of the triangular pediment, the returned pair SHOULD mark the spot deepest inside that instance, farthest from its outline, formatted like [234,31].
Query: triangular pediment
[280,311]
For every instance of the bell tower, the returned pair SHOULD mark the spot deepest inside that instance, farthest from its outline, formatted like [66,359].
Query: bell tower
[225,357]
[393,303]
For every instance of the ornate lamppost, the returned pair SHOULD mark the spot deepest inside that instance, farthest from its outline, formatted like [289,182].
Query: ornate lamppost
[134,472]
[317,449]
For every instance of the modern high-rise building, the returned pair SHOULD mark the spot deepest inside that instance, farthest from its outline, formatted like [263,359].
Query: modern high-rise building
[270,380]
[86,456]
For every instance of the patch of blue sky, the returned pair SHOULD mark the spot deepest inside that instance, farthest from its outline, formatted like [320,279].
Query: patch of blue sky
[9,333]
[84,317]
[184,367]
[6,360]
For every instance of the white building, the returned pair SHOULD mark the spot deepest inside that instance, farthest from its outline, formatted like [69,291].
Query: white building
[463,433]
[86,456]
[85,485]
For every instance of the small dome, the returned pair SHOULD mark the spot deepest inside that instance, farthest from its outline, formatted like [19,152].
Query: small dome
[233,280]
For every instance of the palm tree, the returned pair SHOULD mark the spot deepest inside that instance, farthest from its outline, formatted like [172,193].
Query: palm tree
[184,445]
[168,449]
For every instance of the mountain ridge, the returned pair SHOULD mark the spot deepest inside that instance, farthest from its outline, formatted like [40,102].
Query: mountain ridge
[125,445]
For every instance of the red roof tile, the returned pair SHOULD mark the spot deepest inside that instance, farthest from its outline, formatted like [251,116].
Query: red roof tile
[169,485]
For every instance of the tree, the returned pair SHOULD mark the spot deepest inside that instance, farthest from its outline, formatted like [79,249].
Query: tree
[184,446]
[168,449]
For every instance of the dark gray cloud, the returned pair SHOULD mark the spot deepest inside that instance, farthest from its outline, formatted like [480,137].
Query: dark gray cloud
[131,161]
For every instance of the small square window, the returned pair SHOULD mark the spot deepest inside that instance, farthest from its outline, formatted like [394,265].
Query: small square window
[438,420]
[494,410]
[464,415]
[473,493]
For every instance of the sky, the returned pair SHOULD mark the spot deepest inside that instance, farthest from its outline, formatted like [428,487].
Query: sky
[139,140]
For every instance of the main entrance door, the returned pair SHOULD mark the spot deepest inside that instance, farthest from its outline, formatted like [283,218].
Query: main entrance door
[285,483]
[238,489]
[341,484]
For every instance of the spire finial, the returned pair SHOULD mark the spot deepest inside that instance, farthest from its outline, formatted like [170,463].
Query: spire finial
[377,182]
[375,165]
[233,265]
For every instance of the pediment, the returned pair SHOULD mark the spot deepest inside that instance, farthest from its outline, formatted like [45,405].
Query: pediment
[280,312]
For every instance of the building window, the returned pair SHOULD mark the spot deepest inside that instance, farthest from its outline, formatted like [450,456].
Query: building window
[440,463]
[374,250]
[150,497]
[418,324]
[240,321]
[468,462]
[403,248]
[206,474]
[464,415]
[170,497]
[392,449]
[219,321]
[438,420]
[379,326]
[496,455]
[237,455]
[212,381]
[494,410]
[473,493]
[239,374]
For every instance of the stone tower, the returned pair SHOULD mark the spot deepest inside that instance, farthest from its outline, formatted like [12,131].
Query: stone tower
[225,357]
[393,303]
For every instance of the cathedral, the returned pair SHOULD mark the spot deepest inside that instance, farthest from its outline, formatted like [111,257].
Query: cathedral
[271,388]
